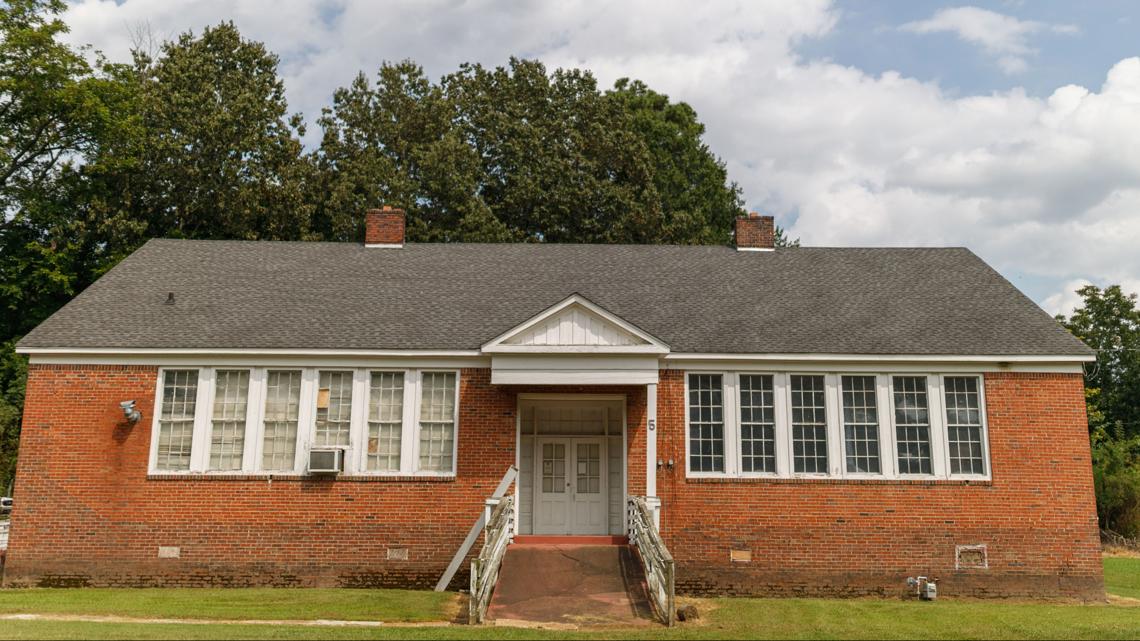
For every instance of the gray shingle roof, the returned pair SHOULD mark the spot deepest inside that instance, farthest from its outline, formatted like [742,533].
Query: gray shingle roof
[239,294]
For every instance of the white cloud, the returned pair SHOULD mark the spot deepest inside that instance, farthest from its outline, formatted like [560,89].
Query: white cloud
[1003,37]
[1046,189]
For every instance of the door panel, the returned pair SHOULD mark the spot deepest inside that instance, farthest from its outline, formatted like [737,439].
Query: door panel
[590,498]
[570,487]
[552,486]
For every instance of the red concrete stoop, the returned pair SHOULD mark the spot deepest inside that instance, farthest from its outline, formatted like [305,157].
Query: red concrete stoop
[571,584]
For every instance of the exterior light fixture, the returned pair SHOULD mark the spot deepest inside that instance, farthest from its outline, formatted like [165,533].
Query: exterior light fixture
[132,415]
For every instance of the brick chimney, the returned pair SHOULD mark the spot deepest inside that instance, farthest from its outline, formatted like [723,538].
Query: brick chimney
[384,227]
[755,233]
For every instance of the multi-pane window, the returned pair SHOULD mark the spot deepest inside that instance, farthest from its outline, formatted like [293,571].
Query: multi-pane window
[282,412]
[227,426]
[554,468]
[706,423]
[757,423]
[176,422]
[334,409]
[437,421]
[912,425]
[809,424]
[385,421]
[860,424]
[588,458]
[964,425]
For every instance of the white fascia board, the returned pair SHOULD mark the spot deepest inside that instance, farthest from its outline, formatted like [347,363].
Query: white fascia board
[496,344]
[577,349]
[875,363]
[165,351]
[295,358]
[913,358]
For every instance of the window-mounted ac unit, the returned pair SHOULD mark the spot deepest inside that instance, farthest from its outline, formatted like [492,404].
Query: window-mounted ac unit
[326,461]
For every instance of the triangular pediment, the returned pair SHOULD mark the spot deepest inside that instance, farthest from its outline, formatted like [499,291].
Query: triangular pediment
[576,325]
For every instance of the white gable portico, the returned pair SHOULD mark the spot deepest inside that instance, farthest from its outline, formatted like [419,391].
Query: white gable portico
[575,343]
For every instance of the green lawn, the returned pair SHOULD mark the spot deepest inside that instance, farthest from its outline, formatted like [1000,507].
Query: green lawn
[721,618]
[1122,576]
[251,603]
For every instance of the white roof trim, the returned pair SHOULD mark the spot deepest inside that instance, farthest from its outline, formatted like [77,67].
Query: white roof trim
[178,351]
[892,358]
[653,344]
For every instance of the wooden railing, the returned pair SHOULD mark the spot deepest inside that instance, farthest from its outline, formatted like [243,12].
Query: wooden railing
[485,567]
[655,558]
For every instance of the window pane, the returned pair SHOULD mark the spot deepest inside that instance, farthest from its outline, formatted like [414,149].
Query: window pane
[861,424]
[282,404]
[912,424]
[227,430]
[964,425]
[757,424]
[706,423]
[809,424]
[334,409]
[437,422]
[385,421]
[176,422]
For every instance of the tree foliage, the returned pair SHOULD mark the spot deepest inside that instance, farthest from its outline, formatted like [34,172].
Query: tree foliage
[1108,320]
[192,138]
[518,153]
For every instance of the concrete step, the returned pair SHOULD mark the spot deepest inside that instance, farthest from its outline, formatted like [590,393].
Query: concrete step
[569,583]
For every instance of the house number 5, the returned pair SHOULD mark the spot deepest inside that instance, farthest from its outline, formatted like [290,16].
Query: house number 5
[652,424]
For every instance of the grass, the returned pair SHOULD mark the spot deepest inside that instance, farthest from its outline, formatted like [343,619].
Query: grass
[721,618]
[243,603]
[1122,576]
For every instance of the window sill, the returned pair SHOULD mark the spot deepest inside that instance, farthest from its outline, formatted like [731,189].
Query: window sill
[293,477]
[779,480]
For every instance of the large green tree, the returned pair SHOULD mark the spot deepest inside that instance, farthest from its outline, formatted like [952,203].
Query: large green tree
[519,153]
[1108,320]
[55,106]
[194,141]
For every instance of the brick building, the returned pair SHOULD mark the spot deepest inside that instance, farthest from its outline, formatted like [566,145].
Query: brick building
[804,420]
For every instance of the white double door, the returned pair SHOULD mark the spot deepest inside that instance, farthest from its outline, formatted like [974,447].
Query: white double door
[570,486]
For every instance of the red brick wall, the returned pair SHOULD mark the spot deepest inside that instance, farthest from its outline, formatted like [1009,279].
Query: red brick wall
[1037,516]
[384,226]
[86,512]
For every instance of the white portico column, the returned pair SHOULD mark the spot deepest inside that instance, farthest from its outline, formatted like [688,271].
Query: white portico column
[651,453]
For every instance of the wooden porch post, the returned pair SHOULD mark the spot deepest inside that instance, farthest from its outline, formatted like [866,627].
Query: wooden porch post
[651,453]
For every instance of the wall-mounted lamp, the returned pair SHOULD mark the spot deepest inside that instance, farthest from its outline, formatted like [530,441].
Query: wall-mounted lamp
[132,415]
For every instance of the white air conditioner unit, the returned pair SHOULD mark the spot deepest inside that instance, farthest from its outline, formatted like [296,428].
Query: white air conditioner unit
[326,461]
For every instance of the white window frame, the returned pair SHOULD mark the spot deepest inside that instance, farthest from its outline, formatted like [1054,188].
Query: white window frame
[355,453]
[883,426]
[731,465]
[837,443]
[829,397]
[983,412]
[415,425]
[779,408]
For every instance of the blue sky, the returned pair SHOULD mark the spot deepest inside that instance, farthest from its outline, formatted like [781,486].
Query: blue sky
[867,37]
[1012,128]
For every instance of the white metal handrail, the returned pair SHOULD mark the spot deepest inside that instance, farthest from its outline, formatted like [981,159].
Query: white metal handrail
[4,534]
[655,558]
[485,567]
